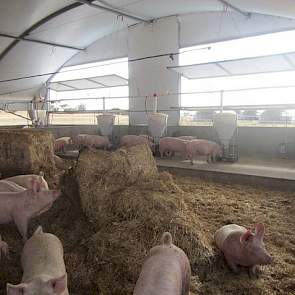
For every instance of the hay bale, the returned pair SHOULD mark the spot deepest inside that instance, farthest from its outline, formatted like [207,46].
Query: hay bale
[101,173]
[132,221]
[130,209]
[25,151]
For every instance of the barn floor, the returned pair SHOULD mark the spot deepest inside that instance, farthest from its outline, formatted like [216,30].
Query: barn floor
[215,204]
[263,167]
[273,168]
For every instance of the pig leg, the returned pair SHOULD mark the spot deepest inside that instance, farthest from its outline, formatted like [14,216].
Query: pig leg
[232,265]
[21,222]
[253,271]
[186,283]
[208,159]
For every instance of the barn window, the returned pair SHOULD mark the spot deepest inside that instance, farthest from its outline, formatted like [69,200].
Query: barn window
[79,93]
[253,77]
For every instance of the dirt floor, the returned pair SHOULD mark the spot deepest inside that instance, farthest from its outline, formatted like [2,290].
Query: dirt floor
[214,205]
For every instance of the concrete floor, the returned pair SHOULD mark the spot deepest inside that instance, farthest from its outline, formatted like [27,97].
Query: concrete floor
[271,168]
[263,167]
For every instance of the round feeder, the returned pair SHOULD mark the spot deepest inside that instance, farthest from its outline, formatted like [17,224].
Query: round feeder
[225,125]
[157,124]
[151,103]
[105,123]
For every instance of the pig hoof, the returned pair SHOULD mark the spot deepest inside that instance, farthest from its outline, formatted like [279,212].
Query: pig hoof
[254,272]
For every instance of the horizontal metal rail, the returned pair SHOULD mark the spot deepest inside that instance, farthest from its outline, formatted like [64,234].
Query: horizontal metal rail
[40,42]
[115,10]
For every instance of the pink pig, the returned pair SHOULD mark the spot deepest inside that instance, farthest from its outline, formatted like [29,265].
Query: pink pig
[171,145]
[10,186]
[20,206]
[78,139]
[26,180]
[205,148]
[241,247]
[187,137]
[92,141]
[44,271]
[132,140]
[4,248]
[166,270]
[61,143]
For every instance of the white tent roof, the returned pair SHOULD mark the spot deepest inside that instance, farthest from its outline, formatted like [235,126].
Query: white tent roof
[75,24]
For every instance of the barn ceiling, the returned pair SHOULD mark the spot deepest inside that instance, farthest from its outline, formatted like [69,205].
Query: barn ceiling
[76,24]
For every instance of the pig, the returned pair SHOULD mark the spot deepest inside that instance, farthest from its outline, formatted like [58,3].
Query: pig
[20,206]
[97,141]
[9,186]
[166,270]
[4,248]
[26,180]
[171,145]
[78,139]
[44,271]
[205,148]
[241,247]
[60,163]
[92,141]
[187,137]
[61,143]
[132,140]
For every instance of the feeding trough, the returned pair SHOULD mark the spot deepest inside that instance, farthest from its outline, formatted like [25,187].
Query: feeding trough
[225,125]
[105,123]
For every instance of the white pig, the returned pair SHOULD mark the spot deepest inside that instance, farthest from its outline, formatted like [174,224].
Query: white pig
[19,207]
[166,271]
[26,180]
[44,271]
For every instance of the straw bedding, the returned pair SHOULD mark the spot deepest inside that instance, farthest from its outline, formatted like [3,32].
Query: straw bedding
[110,217]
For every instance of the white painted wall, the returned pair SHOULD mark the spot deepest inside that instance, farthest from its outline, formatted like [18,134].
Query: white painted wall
[151,76]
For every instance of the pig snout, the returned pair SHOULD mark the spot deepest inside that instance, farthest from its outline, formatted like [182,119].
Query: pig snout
[264,258]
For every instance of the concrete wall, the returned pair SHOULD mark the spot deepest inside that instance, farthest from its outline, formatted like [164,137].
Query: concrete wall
[253,141]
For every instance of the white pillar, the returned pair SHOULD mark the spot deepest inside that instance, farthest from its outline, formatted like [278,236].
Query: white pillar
[150,76]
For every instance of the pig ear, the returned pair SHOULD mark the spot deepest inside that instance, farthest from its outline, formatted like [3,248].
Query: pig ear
[246,236]
[259,230]
[59,285]
[16,289]
[35,186]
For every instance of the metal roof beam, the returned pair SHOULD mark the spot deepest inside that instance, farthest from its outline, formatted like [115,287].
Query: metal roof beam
[227,4]
[39,41]
[39,24]
[114,10]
